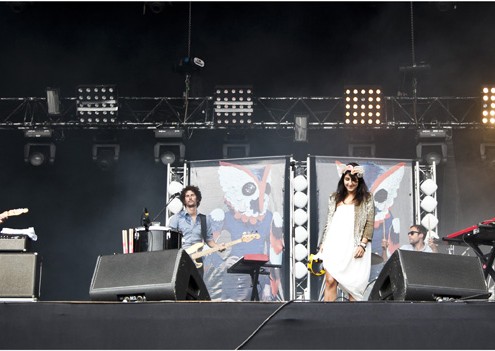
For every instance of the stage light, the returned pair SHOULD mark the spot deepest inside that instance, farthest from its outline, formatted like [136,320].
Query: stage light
[170,153]
[53,101]
[236,150]
[431,147]
[172,150]
[488,104]
[105,155]
[39,148]
[301,128]
[175,187]
[487,151]
[97,104]
[362,150]
[38,154]
[363,105]
[428,204]
[233,105]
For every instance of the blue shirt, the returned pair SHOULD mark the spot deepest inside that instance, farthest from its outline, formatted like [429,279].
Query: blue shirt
[191,231]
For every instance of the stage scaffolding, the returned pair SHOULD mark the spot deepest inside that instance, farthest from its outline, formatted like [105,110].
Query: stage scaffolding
[269,113]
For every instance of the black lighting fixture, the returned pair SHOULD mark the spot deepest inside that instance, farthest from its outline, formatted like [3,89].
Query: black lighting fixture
[97,104]
[236,145]
[39,149]
[53,101]
[233,105]
[362,150]
[487,152]
[363,105]
[169,150]
[431,147]
[105,155]
[301,128]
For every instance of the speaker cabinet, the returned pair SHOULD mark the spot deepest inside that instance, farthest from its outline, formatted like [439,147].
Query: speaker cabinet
[150,276]
[20,275]
[420,276]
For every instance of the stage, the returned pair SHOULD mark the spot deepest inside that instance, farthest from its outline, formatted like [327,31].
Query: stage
[248,325]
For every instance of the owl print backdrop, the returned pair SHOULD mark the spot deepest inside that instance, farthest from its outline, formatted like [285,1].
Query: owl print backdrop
[244,202]
[391,183]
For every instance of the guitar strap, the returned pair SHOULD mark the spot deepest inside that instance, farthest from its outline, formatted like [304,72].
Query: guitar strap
[202,219]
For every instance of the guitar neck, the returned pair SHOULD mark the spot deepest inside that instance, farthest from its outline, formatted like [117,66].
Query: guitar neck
[215,249]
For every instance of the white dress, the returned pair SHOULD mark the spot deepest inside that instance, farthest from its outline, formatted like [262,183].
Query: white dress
[338,254]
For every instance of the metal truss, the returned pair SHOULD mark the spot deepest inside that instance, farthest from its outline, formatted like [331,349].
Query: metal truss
[269,113]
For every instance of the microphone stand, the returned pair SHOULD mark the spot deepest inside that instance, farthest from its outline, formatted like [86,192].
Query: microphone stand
[164,207]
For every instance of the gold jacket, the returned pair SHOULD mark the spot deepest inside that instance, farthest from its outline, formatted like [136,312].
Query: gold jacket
[364,219]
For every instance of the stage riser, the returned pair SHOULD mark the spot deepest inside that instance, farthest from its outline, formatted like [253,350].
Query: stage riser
[223,325]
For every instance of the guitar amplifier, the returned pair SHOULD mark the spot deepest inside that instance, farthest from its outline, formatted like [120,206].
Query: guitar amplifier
[14,243]
[20,275]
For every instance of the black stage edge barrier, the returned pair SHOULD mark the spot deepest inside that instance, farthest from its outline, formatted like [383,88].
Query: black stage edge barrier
[152,276]
[226,325]
[420,276]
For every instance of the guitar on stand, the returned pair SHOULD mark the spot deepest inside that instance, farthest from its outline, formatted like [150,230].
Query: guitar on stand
[195,250]
[16,212]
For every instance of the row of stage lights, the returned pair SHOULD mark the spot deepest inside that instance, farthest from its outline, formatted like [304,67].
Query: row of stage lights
[234,105]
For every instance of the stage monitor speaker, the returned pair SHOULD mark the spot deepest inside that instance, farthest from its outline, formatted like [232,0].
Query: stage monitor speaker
[420,276]
[149,276]
[20,275]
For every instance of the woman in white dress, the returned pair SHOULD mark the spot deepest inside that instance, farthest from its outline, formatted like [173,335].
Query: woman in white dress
[345,246]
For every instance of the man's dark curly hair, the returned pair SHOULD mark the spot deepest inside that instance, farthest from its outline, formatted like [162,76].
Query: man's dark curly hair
[192,188]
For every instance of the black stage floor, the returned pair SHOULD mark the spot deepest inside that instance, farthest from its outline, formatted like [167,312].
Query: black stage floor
[249,325]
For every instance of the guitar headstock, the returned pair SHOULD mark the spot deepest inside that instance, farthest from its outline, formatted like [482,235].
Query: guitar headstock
[17,211]
[247,237]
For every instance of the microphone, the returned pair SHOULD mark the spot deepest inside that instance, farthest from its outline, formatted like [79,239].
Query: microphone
[146,219]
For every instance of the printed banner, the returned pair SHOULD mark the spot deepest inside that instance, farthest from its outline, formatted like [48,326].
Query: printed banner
[391,183]
[244,200]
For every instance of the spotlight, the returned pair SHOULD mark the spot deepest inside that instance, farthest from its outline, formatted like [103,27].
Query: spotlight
[170,153]
[431,147]
[105,155]
[362,150]
[363,105]
[233,105]
[487,151]
[38,154]
[40,151]
[97,104]
[236,150]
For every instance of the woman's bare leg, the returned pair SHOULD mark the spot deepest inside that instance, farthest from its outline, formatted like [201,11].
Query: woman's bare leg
[330,293]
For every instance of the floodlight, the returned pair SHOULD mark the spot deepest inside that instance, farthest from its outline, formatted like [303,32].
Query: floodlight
[363,105]
[97,104]
[233,105]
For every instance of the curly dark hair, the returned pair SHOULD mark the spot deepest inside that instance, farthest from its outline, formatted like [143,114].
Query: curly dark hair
[362,191]
[192,188]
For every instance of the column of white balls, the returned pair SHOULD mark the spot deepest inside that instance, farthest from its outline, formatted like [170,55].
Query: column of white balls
[429,205]
[300,217]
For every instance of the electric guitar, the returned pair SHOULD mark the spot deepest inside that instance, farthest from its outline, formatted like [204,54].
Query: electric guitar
[195,250]
[10,213]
